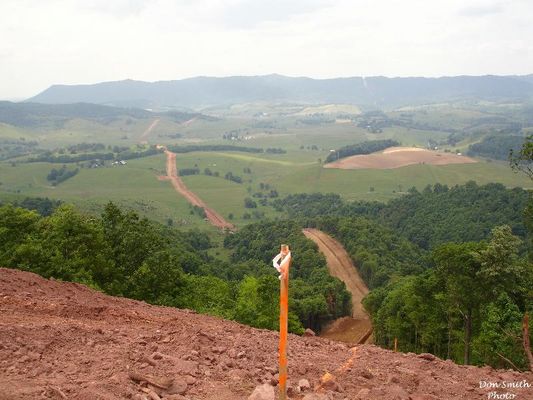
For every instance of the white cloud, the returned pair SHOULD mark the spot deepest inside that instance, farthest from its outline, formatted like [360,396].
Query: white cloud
[74,41]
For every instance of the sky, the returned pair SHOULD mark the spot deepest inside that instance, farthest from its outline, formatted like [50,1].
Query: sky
[46,42]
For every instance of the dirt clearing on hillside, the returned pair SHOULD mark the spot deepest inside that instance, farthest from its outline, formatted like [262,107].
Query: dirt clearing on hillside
[357,328]
[61,340]
[144,137]
[396,157]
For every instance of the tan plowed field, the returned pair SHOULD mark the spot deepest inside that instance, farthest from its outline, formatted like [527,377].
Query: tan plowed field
[396,157]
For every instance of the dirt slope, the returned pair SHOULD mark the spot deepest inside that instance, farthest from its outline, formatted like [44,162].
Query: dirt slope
[64,341]
[172,174]
[356,329]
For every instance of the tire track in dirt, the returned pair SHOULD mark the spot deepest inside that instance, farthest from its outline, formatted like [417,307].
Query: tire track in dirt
[357,328]
[172,175]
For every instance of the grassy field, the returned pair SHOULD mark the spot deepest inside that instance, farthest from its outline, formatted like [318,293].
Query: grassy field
[299,170]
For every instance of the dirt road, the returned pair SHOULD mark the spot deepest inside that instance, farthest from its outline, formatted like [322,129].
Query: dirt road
[357,328]
[144,136]
[172,174]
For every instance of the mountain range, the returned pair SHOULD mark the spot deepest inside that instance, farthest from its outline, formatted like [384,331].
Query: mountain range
[202,92]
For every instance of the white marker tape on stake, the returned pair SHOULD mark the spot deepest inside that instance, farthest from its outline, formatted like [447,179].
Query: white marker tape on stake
[281,266]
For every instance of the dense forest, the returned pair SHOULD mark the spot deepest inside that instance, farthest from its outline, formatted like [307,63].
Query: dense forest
[437,214]
[467,306]
[496,147]
[367,147]
[123,254]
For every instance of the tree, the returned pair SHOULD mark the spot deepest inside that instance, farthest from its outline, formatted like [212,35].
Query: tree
[500,270]
[500,335]
[458,267]
[523,160]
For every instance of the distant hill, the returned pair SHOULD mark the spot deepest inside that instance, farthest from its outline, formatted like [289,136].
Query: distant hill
[208,91]
[35,114]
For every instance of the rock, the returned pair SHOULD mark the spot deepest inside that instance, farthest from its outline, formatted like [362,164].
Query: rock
[179,386]
[328,382]
[363,394]
[219,349]
[398,393]
[190,380]
[186,367]
[309,332]
[392,379]
[367,374]
[427,356]
[291,392]
[315,396]
[303,385]
[263,392]
[274,380]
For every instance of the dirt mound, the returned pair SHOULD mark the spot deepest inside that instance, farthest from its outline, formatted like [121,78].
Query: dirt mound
[396,157]
[64,341]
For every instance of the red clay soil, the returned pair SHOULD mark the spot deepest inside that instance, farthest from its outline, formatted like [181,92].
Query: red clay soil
[172,174]
[65,341]
[357,328]
[396,157]
[144,136]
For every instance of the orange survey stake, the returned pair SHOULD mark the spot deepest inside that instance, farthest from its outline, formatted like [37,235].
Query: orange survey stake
[284,258]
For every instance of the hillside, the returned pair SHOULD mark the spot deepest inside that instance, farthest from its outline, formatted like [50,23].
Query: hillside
[210,91]
[35,115]
[65,341]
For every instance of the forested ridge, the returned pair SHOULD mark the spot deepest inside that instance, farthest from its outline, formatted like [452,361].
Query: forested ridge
[435,215]
[496,147]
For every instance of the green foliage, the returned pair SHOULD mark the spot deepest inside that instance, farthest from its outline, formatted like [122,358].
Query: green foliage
[436,215]
[56,176]
[500,334]
[523,160]
[462,213]
[379,253]
[188,171]
[44,206]
[314,296]
[445,310]
[249,203]
[368,147]
[496,147]
[214,147]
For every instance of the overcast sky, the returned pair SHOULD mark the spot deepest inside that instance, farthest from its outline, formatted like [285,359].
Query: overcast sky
[43,42]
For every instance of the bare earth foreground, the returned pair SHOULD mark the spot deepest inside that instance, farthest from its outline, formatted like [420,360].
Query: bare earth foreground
[65,341]
[396,157]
